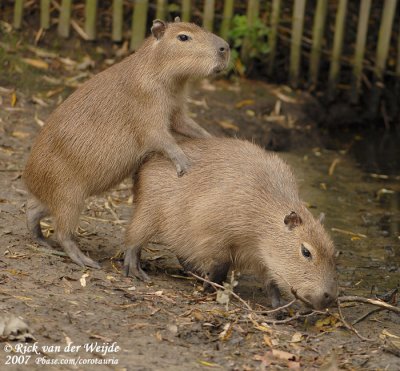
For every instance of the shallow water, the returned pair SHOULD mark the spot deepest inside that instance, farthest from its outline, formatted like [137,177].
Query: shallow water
[357,187]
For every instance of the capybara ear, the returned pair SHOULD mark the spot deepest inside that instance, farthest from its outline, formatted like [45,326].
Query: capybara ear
[177,19]
[158,28]
[292,220]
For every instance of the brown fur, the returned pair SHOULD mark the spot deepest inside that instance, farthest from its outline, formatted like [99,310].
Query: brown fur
[234,207]
[101,133]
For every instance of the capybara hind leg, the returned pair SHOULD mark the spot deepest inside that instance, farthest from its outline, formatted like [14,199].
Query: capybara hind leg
[35,211]
[132,266]
[217,273]
[66,222]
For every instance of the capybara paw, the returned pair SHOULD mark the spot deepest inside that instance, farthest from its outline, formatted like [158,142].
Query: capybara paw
[182,167]
[84,261]
[136,272]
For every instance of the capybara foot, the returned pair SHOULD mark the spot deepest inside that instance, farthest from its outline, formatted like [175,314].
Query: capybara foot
[132,265]
[77,255]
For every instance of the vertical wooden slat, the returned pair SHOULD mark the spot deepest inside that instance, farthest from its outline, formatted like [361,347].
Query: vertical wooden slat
[90,19]
[208,16]
[362,30]
[45,14]
[317,37]
[161,9]
[297,33]
[64,18]
[226,19]
[186,9]
[275,15]
[18,13]
[337,47]
[252,15]
[117,20]
[139,23]
[382,51]
[397,83]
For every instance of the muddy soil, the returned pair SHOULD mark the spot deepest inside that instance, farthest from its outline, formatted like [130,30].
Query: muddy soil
[171,324]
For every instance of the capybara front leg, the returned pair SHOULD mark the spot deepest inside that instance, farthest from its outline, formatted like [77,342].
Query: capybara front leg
[274,294]
[132,266]
[184,125]
[217,273]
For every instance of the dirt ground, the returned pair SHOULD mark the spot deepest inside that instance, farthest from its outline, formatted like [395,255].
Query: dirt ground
[171,324]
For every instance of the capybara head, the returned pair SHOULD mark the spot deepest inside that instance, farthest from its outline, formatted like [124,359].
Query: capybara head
[187,50]
[303,259]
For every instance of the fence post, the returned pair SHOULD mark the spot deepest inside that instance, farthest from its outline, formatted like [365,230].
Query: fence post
[362,30]
[161,9]
[297,33]
[275,14]
[186,7]
[252,15]
[64,18]
[337,48]
[45,14]
[90,19]
[382,51]
[317,37]
[117,20]
[18,13]
[139,18]
[226,19]
[208,15]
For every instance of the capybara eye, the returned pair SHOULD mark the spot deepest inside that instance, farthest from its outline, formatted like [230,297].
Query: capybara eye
[183,37]
[306,253]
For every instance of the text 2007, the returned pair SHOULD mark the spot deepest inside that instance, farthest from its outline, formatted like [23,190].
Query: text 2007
[17,360]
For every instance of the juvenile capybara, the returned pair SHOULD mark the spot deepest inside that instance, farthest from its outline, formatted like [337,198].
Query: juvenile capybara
[101,133]
[239,206]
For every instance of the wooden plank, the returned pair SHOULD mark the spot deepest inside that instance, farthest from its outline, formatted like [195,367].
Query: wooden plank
[275,15]
[334,69]
[226,19]
[297,33]
[18,13]
[208,15]
[139,18]
[161,10]
[186,9]
[253,7]
[90,19]
[64,18]
[117,20]
[45,14]
[382,51]
[317,38]
[362,30]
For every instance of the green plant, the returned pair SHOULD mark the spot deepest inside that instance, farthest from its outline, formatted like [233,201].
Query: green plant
[248,43]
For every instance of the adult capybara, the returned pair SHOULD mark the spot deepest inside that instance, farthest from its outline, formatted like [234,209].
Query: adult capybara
[238,206]
[102,132]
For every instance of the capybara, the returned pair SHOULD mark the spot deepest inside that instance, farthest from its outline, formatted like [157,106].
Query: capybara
[102,132]
[239,206]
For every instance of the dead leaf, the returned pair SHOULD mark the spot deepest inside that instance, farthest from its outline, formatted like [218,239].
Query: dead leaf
[267,341]
[297,337]
[13,99]
[226,124]
[82,280]
[20,134]
[209,364]
[14,328]
[244,103]
[158,336]
[326,322]
[250,112]
[37,63]
[226,333]
[281,354]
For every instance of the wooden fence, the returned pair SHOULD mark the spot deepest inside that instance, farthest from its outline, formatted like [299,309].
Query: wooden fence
[311,31]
